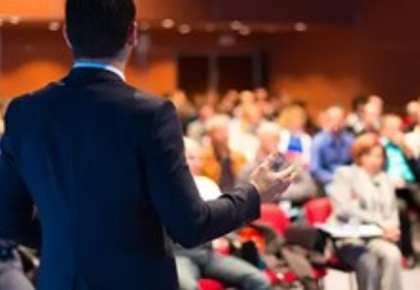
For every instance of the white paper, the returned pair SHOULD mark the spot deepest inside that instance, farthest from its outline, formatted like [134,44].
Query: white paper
[351,231]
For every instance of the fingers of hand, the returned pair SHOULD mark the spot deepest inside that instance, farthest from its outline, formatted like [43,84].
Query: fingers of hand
[270,160]
[287,174]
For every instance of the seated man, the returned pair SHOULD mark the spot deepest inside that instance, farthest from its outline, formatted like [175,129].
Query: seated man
[330,148]
[192,264]
[371,114]
[303,188]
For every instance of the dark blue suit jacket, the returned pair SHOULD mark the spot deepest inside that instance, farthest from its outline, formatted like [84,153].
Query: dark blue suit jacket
[104,165]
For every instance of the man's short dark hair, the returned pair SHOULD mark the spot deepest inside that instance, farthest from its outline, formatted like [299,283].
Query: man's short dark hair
[99,28]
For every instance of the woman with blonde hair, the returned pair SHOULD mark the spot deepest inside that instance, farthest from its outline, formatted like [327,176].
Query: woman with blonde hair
[294,140]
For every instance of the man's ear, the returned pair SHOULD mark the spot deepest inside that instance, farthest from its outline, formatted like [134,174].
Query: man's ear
[133,37]
[66,36]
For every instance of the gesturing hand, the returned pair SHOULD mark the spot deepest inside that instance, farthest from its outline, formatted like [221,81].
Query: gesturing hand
[270,183]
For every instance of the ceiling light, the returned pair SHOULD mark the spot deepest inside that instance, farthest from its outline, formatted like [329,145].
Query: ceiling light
[245,30]
[14,20]
[54,26]
[236,25]
[301,26]
[168,23]
[184,29]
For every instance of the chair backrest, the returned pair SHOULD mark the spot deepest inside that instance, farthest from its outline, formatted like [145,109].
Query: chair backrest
[318,210]
[274,216]
[209,284]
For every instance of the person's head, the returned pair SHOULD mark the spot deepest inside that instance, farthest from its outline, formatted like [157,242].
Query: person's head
[367,152]
[371,115]
[358,103]
[231,96]
[247,97]
[101,29]
[193,156]
[229,102]
[217,128]
[179,98]
[412,110]
[321,120]
[205,112]
[391,126]
[293,118]
[251,114]
[261,94]
[269,137]
[334,119]
[377,101]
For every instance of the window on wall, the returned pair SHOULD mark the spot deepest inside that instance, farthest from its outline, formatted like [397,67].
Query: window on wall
[198,74]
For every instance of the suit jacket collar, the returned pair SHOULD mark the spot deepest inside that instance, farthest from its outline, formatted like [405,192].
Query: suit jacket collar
[83,76]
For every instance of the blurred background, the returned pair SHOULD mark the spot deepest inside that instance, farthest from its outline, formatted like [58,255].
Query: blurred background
[317,51]
[311,69]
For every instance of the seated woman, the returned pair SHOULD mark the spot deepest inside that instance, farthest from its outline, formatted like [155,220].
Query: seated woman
[363,194]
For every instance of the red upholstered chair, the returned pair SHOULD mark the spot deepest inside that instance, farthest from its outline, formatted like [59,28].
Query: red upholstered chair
[208,284]
[317,211]
[272,215]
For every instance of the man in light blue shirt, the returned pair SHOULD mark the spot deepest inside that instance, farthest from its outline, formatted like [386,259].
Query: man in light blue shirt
[330,148]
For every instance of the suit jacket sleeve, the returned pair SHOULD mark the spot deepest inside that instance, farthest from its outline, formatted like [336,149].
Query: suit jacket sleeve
[17,215]
[187,218]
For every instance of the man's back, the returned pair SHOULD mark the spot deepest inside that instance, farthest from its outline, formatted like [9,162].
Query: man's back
[103,163]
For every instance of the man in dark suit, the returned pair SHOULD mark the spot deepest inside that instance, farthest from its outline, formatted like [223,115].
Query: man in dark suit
[104,166]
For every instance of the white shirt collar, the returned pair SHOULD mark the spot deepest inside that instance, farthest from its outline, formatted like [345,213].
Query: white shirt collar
[98,65]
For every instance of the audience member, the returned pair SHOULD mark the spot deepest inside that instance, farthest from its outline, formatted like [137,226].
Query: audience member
[412,138]
[264,103]
[399,156]
[186,111]
[246,98]
[229,102]
[197,129]
[12,276]
[412,115]
[377,101]
[364,194]
[330,148]
[302,188]
[202,261]
[354,119]
[402,170]
[220,163]
[242,131]
[294,139]
[370,122]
